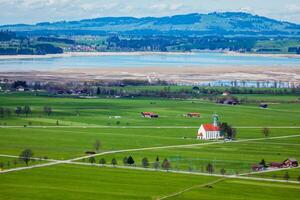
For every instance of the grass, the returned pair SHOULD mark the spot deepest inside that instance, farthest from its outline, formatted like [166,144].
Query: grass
[294,174]
[228,156]
[133,131]
[83,182]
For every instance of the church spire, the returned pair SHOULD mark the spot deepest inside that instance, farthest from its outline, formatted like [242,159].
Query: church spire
[215,120]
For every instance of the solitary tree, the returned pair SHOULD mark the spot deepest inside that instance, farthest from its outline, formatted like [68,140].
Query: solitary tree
[223,171]
[97,145]
[157,159]
[1,166]
[156,165]
[130,160]
[92,160]
[27,110]
[102,161]
[18,111]
[286,176]
[266,132]
[263,163]
[98,91]
[210,168]
[47,110]
[114,162]
[26,156]
[1,112]
[166,165]
[125,160]
[145,162]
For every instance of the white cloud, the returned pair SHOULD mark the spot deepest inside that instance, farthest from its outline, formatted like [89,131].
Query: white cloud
[30,11]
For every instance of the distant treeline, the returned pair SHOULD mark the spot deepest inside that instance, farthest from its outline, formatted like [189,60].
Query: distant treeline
[165,43]
[57,40]
[11,44]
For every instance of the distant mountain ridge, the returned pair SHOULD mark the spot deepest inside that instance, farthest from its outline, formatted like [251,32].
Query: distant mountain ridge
[194,24]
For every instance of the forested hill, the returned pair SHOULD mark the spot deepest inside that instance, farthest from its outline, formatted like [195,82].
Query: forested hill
[222,24]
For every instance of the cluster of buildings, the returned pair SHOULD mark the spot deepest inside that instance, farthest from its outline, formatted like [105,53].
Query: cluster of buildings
[288,163]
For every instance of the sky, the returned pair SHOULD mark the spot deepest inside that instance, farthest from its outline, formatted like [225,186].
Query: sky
[33,11]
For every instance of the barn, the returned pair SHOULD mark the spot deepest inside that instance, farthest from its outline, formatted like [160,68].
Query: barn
[193,115]
[149,115]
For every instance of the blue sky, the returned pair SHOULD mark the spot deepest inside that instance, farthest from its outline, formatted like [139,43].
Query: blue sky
[32,11]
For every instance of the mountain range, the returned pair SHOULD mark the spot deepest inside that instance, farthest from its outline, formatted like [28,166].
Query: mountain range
[223,24]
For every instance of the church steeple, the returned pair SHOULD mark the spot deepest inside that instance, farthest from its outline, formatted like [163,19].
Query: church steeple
[215,120]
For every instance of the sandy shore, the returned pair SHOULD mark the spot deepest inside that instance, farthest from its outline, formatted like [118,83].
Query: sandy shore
[232,53]
[179,75]
[87,54]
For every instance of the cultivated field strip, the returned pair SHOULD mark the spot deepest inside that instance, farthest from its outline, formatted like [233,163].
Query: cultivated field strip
[73,161]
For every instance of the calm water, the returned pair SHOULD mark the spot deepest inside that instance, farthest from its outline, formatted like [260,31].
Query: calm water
[198,59]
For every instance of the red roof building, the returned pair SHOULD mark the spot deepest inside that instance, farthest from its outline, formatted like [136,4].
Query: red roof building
[210,131]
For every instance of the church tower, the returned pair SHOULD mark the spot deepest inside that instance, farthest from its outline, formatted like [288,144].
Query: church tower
[215,120]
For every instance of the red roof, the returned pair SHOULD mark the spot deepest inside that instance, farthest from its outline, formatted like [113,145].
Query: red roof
[148,113]
[210,127]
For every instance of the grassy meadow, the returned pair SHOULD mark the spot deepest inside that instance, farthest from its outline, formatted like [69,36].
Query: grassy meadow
[76,123]
[88,182]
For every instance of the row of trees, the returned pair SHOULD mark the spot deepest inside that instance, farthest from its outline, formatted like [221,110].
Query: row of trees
[129,161]
[25,156]
[26,110]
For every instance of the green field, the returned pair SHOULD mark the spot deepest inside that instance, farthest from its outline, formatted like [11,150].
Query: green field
[81,182]
[75,124]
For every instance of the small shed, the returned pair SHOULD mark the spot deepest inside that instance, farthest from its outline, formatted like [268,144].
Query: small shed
[193,115]
[263,105]
[149,115]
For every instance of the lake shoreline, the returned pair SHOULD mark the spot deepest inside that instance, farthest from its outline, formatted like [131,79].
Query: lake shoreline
[90,54]
[140,53]
[178,75]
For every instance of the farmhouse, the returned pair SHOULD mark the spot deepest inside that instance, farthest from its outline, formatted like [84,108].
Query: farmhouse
[149,115]
[193,114]
[291,162]
[209,131]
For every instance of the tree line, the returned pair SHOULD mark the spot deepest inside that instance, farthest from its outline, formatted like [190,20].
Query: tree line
[25,110]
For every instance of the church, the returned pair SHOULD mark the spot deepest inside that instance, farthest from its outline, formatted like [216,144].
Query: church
[210,131]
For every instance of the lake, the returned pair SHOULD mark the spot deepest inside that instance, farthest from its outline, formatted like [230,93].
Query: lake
[160,60]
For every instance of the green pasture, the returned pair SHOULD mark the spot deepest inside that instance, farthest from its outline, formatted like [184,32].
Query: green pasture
[233,157]
[84,182]
[293,174]
[85,112]
[131,131]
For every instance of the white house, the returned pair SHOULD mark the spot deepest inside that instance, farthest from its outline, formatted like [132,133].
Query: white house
[210,131]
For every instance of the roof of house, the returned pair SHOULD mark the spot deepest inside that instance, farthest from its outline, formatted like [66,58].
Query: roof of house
[292,160]
[193,113]
[148,113]
[210,127]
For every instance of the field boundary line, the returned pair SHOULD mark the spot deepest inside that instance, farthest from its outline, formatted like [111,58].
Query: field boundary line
[182,172]
[190,188]
[180,146]
[268,171]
